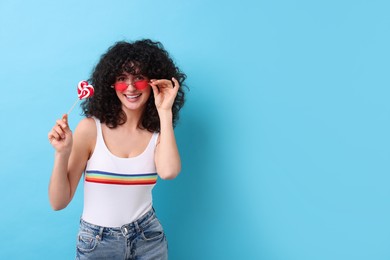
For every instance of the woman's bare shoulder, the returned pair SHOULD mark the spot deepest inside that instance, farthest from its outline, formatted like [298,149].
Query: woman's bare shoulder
[86,129]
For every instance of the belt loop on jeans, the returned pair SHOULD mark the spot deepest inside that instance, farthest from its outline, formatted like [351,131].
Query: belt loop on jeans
[100,236]
[137,227]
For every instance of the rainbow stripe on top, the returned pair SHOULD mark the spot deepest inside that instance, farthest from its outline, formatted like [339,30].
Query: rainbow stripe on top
[120,179]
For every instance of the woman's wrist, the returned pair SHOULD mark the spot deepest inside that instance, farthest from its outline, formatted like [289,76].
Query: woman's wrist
[62,155]
[165,115]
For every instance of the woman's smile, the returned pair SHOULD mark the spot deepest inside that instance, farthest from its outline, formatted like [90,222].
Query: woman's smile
[133,97]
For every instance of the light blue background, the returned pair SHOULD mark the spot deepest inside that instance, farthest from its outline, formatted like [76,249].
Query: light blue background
[284,137]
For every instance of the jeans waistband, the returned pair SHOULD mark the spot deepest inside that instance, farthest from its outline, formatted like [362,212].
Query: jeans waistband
[133,227]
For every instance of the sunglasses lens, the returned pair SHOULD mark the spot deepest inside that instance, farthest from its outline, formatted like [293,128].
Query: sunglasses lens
[142,84]
[120,86]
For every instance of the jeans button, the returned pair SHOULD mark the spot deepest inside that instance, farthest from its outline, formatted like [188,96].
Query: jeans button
[124,230]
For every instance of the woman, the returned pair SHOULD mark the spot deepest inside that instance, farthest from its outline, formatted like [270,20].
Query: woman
[123,144]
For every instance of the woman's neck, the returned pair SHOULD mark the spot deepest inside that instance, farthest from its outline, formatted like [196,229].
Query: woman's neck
[133,118]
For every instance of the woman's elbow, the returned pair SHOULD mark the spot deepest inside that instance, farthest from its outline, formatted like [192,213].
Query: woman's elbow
[168,175]
[57,207]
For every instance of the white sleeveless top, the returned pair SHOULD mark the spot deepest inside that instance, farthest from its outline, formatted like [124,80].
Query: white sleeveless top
[118,191]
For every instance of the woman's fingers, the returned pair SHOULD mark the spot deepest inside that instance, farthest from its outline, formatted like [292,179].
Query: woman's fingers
[56,133]
[63,122]
[155,89]
[53,135]
[165,92]
[162,83]
[60,129]
[65,118]
[176,83]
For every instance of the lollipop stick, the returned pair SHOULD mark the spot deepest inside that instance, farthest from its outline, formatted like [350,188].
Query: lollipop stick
[70,110]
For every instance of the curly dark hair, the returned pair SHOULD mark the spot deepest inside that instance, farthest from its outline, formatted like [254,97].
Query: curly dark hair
[144,57]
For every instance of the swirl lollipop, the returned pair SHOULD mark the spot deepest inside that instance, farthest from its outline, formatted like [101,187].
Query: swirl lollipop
[84,90]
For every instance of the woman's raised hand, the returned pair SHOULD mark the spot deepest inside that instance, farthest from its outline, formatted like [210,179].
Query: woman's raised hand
[60,136]
[165,92]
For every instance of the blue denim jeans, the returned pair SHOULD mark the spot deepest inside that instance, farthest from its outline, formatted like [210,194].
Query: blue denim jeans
[142,239]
